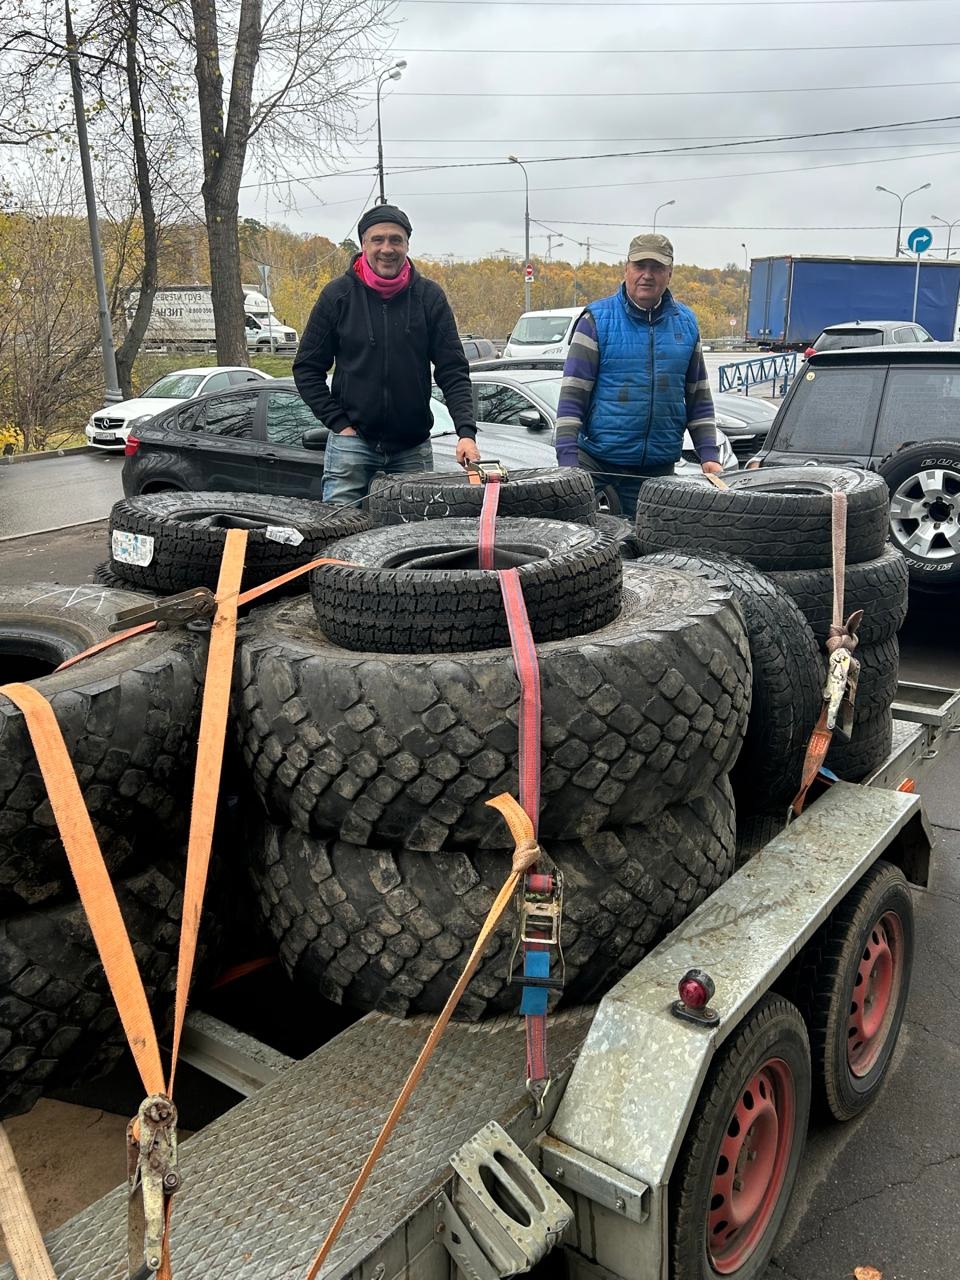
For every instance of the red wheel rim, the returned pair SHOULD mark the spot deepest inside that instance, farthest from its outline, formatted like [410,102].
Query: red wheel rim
[875,995]
[751,1166]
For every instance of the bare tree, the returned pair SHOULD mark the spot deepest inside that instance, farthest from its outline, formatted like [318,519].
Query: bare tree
[296,79]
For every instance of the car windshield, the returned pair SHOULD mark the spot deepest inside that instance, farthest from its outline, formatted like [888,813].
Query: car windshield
[175,386]
[834,410]
[843,339]
[534,331]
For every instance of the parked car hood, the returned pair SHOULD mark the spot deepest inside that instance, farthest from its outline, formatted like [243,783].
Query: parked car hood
[140,407]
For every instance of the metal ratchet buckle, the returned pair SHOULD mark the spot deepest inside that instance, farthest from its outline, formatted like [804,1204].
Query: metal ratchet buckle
[539,920]
[488,469]
[152,1177]
[840,690]
[196,605]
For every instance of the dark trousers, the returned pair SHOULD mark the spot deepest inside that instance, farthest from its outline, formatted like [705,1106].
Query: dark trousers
[619,487]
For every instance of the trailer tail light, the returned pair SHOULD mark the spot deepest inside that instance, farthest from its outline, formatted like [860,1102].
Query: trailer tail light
[696,989]
[131,447]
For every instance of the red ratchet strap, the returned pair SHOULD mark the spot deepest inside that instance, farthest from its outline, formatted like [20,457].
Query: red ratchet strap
[488,522]
[538,907]
[840,688]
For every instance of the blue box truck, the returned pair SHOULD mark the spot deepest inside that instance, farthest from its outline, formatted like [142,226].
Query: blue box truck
[793,298]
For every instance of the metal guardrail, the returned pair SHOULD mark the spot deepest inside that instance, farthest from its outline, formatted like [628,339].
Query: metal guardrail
[743,374]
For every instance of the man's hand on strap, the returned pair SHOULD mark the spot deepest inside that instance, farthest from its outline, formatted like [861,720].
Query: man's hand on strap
[467,451]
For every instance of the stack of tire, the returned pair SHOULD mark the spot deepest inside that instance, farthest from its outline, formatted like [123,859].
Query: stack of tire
[129,718]
[379,714]
[168,542]
[779,522]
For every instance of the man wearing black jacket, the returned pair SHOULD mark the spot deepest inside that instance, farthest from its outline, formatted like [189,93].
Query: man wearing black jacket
[381,325]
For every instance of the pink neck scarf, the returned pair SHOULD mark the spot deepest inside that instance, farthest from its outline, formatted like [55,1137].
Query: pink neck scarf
[385,288]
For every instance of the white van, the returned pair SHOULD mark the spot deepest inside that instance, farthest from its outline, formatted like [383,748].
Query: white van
[543,333]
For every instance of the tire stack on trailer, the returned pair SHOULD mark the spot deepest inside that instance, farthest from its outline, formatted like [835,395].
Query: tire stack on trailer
[129,717]
[378,715]
[779,522]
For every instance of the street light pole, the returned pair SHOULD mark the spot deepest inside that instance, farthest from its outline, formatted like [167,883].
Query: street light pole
[746,274]
[666,205]
[526,230]
[901,199]
[949,226]
[389,73]
[112,392]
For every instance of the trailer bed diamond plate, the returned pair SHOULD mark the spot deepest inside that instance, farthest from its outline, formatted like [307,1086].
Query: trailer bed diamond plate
[263,1182]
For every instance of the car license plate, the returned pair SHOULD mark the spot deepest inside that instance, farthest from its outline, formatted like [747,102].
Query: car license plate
[102,439]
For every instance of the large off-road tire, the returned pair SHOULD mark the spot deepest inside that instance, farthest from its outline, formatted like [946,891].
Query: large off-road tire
[742,1149]
[924,482]
[550,493]
[787,681]
[417,588]
[864,752]
[878,587]
[57,1016]
[779,518]
[621,531]
[104,574]
[129,718]
[169,542]
[391,929]
[851,983]
[643,713]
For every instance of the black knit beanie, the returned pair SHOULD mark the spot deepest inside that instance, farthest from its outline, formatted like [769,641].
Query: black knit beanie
[383,213]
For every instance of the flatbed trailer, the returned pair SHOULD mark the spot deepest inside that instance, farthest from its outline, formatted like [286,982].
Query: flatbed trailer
[453,1194]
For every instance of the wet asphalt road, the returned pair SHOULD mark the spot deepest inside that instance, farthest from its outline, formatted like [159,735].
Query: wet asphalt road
[48,494]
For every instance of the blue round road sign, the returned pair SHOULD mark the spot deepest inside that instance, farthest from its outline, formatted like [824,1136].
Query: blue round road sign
[919,240]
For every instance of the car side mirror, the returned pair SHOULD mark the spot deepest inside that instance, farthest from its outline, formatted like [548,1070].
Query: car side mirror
[532,419]
[315,438]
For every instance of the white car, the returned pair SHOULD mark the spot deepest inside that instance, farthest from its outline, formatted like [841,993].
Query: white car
[109,427]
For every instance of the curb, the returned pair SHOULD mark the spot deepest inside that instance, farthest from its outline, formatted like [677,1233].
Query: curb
[8,460]
[39,533]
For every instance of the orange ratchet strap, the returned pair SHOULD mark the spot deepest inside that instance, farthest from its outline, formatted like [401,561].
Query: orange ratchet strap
[103,911]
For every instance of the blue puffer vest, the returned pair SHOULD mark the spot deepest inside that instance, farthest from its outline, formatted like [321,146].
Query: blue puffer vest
[638,411]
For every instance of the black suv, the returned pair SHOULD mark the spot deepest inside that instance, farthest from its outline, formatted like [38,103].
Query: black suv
[259,439]
[896,410]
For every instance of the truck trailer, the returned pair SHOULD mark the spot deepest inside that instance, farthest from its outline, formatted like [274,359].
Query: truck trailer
[792,299]
[182,317]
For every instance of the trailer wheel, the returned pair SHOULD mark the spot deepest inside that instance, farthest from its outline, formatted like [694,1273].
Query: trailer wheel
[741,1154]
[852,988]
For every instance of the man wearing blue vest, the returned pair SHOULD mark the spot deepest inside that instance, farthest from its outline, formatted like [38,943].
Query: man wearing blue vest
[634,380]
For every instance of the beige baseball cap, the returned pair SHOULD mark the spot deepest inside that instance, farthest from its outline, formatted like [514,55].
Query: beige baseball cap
[658,248]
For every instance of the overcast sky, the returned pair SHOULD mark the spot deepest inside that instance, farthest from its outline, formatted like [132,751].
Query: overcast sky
[541,79]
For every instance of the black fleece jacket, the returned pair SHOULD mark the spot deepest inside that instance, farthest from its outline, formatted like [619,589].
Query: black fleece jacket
[382,352]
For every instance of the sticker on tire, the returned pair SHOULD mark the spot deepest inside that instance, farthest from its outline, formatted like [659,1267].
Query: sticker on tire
[131,548]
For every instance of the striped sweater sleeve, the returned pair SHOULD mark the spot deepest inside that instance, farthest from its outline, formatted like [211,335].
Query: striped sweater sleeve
[579,375]
[701,416]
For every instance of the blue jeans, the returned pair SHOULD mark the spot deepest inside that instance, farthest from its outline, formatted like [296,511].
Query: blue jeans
[350,463]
